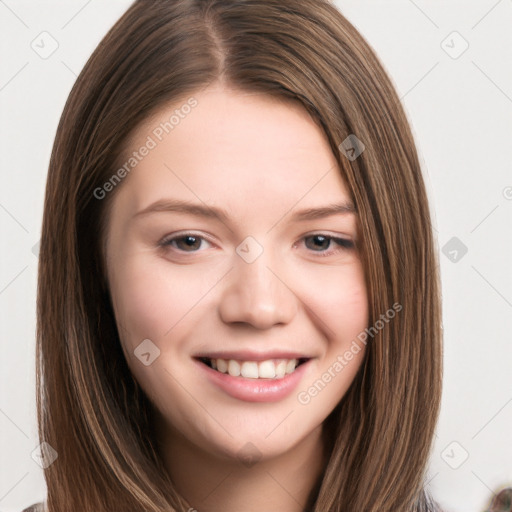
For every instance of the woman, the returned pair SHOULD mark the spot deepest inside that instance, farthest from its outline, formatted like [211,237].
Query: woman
[253,372]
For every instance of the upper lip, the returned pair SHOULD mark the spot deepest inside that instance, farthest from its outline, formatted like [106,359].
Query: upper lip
[251,355]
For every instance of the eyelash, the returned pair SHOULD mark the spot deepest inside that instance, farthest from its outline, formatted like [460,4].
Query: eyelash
[343,243]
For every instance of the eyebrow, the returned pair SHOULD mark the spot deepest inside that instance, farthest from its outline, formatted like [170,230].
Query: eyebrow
[199,210]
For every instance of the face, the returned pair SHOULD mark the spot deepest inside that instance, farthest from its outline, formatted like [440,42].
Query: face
[221,259]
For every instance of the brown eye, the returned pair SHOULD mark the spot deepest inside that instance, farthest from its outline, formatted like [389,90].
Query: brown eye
[322,242]
[187,242]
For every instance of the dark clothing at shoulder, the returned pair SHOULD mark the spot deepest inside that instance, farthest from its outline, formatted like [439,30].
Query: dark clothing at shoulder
[36,507]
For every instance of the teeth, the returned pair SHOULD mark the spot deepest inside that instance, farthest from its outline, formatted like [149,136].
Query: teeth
[233,368]
[267,369]
[222,365]
[281,369]
[249,370]
[290,365]
[270,369]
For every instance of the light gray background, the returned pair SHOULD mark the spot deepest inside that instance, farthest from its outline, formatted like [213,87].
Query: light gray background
[461,113]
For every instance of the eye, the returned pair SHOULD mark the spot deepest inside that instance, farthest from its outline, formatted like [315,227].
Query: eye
[184,242]
[191,242]
[322,241]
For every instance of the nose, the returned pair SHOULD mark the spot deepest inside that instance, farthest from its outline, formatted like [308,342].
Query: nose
[258,294]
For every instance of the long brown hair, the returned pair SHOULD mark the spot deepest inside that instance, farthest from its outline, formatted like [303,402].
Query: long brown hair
[91,410]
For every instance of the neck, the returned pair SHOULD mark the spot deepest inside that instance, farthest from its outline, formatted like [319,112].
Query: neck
[209,483]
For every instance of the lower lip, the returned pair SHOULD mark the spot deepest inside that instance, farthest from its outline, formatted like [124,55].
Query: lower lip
[255,390]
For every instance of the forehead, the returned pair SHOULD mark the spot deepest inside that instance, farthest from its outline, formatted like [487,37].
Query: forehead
[232,148]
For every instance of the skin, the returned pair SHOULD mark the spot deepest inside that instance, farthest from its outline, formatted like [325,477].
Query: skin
[261,160]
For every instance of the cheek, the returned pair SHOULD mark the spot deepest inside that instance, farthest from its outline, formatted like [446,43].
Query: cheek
[155,299]
[143,309]
[340,306]
[339,299]
[153,302]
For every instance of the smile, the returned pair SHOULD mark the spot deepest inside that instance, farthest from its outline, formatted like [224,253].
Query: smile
[269,369]
[230,376]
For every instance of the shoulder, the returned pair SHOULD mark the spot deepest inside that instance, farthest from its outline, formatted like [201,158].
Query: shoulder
[36,507]
[502,501]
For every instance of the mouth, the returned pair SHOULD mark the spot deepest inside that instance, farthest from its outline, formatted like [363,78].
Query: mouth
[268,369]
